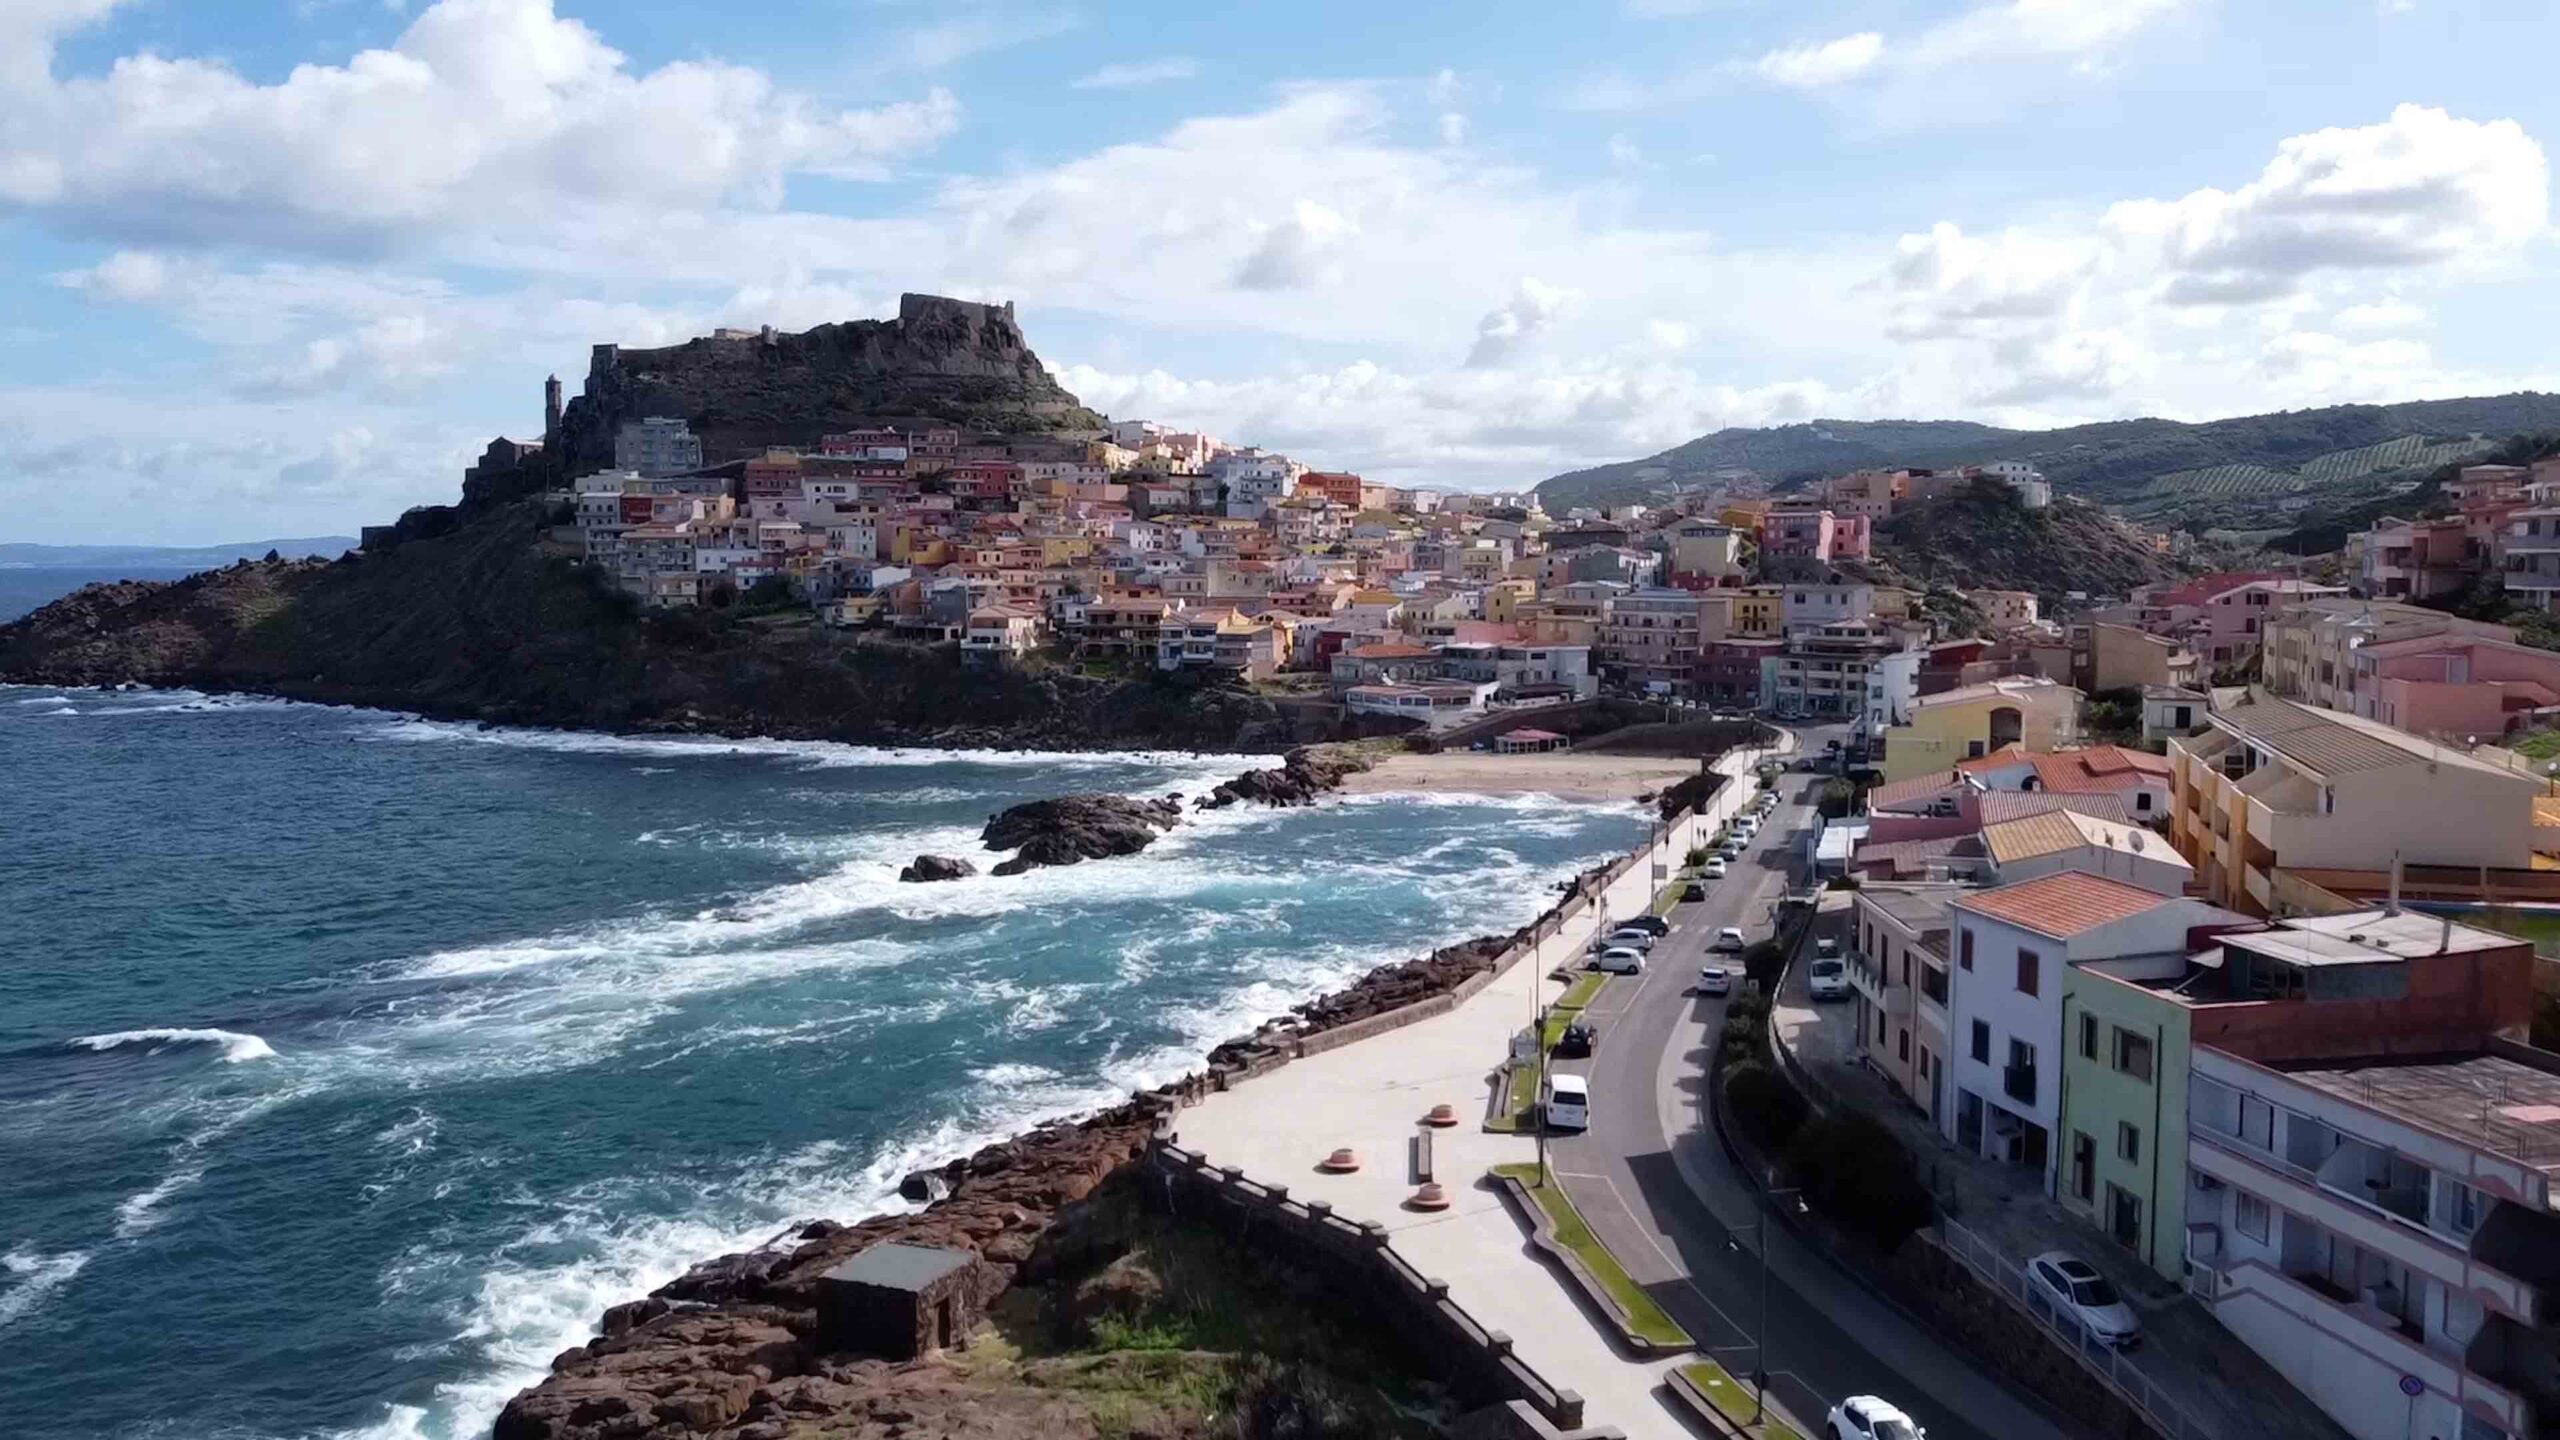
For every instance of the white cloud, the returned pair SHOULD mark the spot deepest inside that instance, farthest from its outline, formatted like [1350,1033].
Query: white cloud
[1298,253]
[2389,313]
[1625,154]
[2423,188]
[975,32]
[1453,128]
[480,107]
[1135,74]
[1532,311]
[1827,63]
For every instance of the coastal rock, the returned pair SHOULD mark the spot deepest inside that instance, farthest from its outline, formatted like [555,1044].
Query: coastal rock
[1302,775]
[1074,828]
[936,867]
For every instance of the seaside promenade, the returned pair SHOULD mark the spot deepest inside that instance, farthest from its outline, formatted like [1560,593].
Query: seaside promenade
[1370,1096]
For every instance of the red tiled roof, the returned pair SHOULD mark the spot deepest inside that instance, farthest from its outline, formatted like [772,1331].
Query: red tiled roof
[2000,759]
[2063,905]
[1392,652]
[2100,767]
[2000,806]
[1916,788]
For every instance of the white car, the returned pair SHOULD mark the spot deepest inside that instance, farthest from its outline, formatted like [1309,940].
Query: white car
[1828,980]
[1713,869]
[2077,1291]
[1567,1104]
[1714,980]
[1825,947]
[1629,937]
[1619,960]
[1864,1417]
[1729,938]
[1730,849]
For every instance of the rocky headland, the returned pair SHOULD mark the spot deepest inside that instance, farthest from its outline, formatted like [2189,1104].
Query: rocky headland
[1302,775]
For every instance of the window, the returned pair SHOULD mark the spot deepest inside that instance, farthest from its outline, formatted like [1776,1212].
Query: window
[2142,801]
[2084,1168]
[2128,1143]
[1964,949]
[2133,1054]
[2088,1037]
[2460,1205]
[1982,1042]
[2029,976]
[2252,1216]
[1902,1047]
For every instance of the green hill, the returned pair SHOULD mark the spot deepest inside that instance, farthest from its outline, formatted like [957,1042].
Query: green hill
[1983,539]
[2215,472]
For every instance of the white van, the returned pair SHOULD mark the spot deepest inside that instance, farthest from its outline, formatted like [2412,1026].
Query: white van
[1568,1103]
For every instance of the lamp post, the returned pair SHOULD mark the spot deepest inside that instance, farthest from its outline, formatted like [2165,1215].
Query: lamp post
[1760,1336]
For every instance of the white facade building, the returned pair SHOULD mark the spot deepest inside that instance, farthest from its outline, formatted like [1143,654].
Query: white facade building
[658,445]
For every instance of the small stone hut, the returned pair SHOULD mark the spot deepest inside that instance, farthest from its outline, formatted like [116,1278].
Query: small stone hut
[900,1301]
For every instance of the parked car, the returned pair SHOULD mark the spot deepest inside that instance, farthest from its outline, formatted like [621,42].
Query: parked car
[1695,892]
[1729,938]
[1654,923]
[1714,980]
[1567,1103]
[1627,937]
[1729,850]
[2078,1291]
[1714,869]
[1828,980]
[1864,1417]
[1619,960]
[1826,947]
[1577,1040]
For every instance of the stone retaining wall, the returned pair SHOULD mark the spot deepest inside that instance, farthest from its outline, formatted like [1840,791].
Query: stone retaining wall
[1479,1363]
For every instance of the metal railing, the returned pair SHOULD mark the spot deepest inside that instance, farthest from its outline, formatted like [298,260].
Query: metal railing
[2113,1367]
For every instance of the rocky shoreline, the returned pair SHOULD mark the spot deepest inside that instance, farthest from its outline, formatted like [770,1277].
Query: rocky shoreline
[730,1349]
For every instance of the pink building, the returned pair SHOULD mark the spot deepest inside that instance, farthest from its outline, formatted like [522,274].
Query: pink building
[2415,559]
[1815,534]
[2453,685]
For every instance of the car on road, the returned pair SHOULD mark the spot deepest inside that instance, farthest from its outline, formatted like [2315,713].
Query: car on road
[1826,947]
[1627,937]
[1567,1103]
[1729,938]
[2078,1292]
[1729,850]
[1828,980]
[1654,923]
[1865,1417]
[1577,1040]
[1744,827]
[1714,869]
[1619,960]
[1714,980]
[1695,891]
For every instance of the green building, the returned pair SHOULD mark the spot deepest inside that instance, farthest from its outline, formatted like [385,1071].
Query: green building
[2123,1113]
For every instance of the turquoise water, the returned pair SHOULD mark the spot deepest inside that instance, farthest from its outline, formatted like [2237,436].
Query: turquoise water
[352,1064]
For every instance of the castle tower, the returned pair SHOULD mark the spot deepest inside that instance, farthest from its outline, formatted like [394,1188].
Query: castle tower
[551,414]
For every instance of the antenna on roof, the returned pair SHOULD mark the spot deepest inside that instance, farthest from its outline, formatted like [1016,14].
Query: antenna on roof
[2393,908]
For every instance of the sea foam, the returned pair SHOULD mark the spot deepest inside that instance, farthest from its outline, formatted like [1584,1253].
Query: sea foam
[236,1047]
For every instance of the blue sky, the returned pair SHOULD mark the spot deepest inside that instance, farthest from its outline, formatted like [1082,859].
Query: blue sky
[282,268]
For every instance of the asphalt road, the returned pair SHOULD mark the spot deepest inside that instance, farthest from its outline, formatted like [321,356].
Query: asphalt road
[1657,1187]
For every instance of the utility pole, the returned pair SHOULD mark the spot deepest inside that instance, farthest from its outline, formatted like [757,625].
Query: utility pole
[1760,1336]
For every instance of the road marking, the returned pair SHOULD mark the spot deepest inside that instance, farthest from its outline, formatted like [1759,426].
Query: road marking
[1646,1231]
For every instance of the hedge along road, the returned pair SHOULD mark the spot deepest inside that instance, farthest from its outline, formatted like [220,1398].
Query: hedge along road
[1655,1185]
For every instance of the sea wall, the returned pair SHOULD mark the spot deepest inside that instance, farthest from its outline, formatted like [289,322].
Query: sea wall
[730,1347]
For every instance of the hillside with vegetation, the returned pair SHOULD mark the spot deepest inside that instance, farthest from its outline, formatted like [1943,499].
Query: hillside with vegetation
[1983,539]
[2246,473]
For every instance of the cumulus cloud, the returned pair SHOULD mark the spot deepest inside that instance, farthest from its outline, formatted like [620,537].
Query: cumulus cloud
[2423,188]
[480,106]
[1508,329]
[2074,33]
[1136,74]
[1298,252]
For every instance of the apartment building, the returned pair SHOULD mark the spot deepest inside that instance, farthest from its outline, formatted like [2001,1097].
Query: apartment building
[1898,967]
[2271,785]
[2122,657]
[2004,609]
[2013,948]
[658,445]
[2311,647]
[1935,732]
[1650,639]
[2416,559]
[1862,670]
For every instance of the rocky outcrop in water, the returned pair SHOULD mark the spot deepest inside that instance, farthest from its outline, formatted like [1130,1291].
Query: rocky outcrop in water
[936,867]
[1075,828]
[1302,775]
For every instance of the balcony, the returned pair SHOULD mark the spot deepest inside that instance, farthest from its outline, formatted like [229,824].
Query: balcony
[2250,1298]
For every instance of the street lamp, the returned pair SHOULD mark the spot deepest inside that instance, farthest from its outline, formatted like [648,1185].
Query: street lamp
[1760,1337]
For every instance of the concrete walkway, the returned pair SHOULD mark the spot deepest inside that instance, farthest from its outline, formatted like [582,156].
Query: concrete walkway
[1371,1095]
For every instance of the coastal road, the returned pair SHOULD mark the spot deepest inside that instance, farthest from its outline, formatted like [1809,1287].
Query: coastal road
[1655,1184]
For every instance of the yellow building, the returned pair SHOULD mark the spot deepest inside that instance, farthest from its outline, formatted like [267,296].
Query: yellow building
[1971,722]
[1503,599]
[1759,612]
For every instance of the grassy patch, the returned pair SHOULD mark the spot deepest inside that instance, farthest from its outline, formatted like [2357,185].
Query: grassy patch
[1644,1316]
[1732,1400]
[1519,1100]
[2540,745]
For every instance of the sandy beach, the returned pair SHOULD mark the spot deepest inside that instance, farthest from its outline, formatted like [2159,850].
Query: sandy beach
[1574,777]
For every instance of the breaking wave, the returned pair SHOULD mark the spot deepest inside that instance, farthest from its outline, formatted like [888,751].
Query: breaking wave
[236,1047]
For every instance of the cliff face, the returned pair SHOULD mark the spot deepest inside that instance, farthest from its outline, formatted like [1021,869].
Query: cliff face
[487,621]
[941,360]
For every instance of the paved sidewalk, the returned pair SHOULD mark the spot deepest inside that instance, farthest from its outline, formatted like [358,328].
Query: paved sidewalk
[2219,1380]
[1371,1095]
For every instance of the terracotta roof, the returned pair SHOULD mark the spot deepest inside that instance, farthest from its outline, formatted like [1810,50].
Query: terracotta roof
[1392,652]
[2001,806]
[1915,790]
[2100,767]
[2063,905]
[2058,830]
[2000,759]
[1911,857]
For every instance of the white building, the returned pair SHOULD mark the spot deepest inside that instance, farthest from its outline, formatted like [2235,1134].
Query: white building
[2004,998]
[659,445]
[2382,1232]
[1251,479]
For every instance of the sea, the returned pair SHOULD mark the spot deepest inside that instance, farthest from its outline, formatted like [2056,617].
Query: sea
[351,1064]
